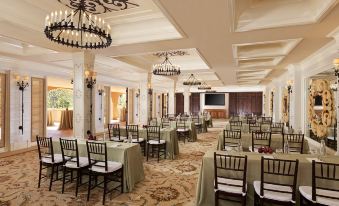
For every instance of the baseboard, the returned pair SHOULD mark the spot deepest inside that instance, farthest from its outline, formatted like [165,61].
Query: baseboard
[16,152]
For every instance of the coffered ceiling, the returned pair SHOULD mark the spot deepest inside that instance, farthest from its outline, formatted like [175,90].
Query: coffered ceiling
[230,42]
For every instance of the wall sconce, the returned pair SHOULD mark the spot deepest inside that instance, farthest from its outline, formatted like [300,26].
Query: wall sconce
[272,102]
[22,83]
[289,86]
[289,91]
[336,67]
[101,93]
[90,81]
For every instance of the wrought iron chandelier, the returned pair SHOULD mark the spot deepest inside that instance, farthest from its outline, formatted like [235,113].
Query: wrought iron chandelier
[78,27]
[204,86]
[192,81]
[166,68]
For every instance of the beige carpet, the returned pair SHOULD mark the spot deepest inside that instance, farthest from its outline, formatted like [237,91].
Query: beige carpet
[167,183]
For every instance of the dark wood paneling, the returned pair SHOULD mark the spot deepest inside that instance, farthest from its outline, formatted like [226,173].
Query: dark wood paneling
[217,113]
[245,102]
[195,103]
[179,103]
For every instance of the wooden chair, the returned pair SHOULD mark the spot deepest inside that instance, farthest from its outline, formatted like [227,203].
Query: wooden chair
[235,118]
[324,189]
[111,171]
[232,187]
[269,189]
[47,159]
[197,123]
[295,143]
[235,125]
[260,139]
[153,122]
[249,118]
[182,130]
[231,139]
[154,142]
[165,123]
[114,133]
[253,126]
[277,128]
[266,120]
[133,130]
[75,163]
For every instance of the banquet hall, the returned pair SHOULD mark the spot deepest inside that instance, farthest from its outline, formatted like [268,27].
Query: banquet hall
[169,102]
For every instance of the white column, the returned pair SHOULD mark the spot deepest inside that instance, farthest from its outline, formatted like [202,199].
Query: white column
[144,101]
[171,98]
[296,98]
[187,95]
[82,61]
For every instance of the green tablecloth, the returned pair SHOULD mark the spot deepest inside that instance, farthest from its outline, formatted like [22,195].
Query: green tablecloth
[205,187]
[129,154]
[167,134]
[246,140]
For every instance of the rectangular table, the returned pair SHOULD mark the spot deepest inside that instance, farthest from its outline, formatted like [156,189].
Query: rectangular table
[246,140]
[205,187]
[129,154]
[167,134]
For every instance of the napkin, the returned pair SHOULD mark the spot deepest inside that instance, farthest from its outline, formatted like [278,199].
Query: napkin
[311,159]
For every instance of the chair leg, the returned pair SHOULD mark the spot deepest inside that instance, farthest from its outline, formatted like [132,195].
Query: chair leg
[244,200]
[216,198]
[105,188]
[158,148]
[144,148]
[148,145]
[63,180]
[89,184]
[122,179]
[78,181]
[40,175]
[51,181]
[165,150]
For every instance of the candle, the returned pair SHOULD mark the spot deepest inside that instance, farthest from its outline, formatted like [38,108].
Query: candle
[72,14]
[52,17]
[66,16]
[46,20]
[60,16]
[90,20]
[55,16]
[84,19]
[95,21]
[99,24]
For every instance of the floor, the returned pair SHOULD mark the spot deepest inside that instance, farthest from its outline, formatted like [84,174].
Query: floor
[168,183]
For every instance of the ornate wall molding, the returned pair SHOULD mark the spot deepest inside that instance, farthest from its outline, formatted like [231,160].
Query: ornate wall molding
[320,122]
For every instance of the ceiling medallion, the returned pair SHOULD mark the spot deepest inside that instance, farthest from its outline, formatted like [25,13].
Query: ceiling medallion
[204,86]
[78,28]
[192,81]
[166,68]
[99,6]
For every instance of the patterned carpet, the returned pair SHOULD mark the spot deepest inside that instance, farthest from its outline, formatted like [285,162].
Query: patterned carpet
[167,183]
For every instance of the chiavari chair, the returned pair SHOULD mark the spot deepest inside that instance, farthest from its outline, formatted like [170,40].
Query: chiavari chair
[231,139]
[154,142]
[295,142]
[165,123]
[253,126]
[114,133]
[232,187]
[182,130]
[260,139]
[48,159]
[325,184]
[111,171]
[133,130]
[269,189]
[75,163]
[235,118]
[153,122]
[197,123]
[277,128]
[235,125]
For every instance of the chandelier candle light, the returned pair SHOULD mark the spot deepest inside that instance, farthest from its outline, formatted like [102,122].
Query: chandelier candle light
[78,28]
[192,81]
[166,68]
[204,86]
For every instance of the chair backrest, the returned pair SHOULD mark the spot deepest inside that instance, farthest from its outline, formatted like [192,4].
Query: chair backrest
[295,142]
[97,151]
[235,118]
[231,137]
[260,139]
[45,147]
[253,125]
[324,176]
[133,130]
[266,120]
[69,148]
[273,170]
[235,125]
[230,164]
[153,133]
[153,122]
[277,128]
[180,124]
[165,123]
[196,119]
[171,116]
[113,131]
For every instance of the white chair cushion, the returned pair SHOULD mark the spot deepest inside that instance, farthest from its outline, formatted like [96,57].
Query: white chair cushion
[280,196]
[182,130]
[230,188]
[83,162]
[306,191]
[136,140]
[111,167]
[197,123]
[156,141]
[57,159]
[116,139]
[231,147]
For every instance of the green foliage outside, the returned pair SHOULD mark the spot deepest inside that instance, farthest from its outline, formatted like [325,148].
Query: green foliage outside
[60,98]
[122,101]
